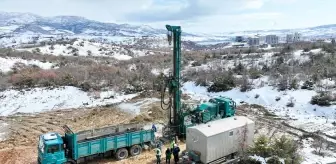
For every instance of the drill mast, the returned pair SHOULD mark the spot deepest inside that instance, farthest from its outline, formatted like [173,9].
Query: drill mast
[173,81]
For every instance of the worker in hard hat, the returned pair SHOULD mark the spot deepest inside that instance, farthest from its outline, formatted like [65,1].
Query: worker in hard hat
[158,155]
[168,155]
[176,152]
[159,145]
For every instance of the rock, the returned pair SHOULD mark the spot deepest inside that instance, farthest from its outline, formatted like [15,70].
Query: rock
[44,130]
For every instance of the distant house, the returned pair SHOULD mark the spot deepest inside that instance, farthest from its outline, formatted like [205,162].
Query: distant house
[272,39]
[254,41]
[239,38]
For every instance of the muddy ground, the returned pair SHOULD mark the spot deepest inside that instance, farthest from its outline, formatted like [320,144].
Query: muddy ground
[21,144]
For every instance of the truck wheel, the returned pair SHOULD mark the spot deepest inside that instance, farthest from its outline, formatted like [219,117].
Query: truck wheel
[71,162]
[121,154]
[135,150]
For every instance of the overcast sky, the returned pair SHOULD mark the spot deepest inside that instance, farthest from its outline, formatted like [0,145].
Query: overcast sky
[204,16]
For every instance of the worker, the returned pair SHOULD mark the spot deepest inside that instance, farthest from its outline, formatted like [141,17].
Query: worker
[154,127]
[172,143]
[176,152]
[159,145]
[168,155]
[158,156]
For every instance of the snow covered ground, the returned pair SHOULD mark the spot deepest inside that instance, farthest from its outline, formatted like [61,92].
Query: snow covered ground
[6,64]
[135,108]
[302,114]
[311,158]
[43,99]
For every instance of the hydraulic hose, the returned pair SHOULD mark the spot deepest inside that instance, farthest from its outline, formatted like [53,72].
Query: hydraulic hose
[163,92]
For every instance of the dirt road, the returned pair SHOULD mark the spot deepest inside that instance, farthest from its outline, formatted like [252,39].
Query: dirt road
[24,129]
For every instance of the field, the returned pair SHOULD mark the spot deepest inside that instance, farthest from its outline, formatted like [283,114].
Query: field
[286,90]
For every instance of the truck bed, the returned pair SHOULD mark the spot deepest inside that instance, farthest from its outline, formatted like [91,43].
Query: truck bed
[107,131]
[96,141]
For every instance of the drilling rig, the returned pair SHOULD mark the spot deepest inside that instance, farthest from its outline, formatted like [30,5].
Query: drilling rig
[182,116]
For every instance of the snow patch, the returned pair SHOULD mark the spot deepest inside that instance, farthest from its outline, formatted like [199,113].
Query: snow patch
[159,71]
[135,108]
[122,57]
[47,28]
[310,157]
[6,64]
[43,99]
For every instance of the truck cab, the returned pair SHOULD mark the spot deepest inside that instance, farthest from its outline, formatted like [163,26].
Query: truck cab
[51,149]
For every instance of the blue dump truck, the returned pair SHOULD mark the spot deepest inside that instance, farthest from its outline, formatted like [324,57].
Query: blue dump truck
[120,141]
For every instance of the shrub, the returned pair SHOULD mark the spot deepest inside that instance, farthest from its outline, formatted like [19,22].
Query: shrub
[285,147]
[328,48]
[89,52]
[254,73]
[282,147]
[196,63]
[201,82]
[280,60]
[85,86]
[239,69]
[322,99]
[306,49]
[283,83]
[51,47]
[274,160]
[286,49]
[246,85]
[261,147]
[294,84]
[291,102]
[308,85]
[223,83]
[38,50]
[33,76]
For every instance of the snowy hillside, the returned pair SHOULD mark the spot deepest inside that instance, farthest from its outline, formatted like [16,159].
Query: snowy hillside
[17,28]
[6,64]
[44,99]
[83,47]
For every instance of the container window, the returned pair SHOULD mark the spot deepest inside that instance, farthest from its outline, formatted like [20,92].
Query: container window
[231,133]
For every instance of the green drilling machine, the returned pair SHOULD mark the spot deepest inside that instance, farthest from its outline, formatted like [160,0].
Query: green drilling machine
[182,116]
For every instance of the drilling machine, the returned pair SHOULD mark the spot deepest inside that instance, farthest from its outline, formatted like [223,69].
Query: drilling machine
[182,116]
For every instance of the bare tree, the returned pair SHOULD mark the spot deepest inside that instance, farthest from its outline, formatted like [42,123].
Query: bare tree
[319,144]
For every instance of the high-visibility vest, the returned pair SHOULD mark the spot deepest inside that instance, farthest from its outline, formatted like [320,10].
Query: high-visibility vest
[172,144]
[158,151]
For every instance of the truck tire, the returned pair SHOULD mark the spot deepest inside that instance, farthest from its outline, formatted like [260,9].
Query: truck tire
[71,162]
[121,154]
[135,150]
